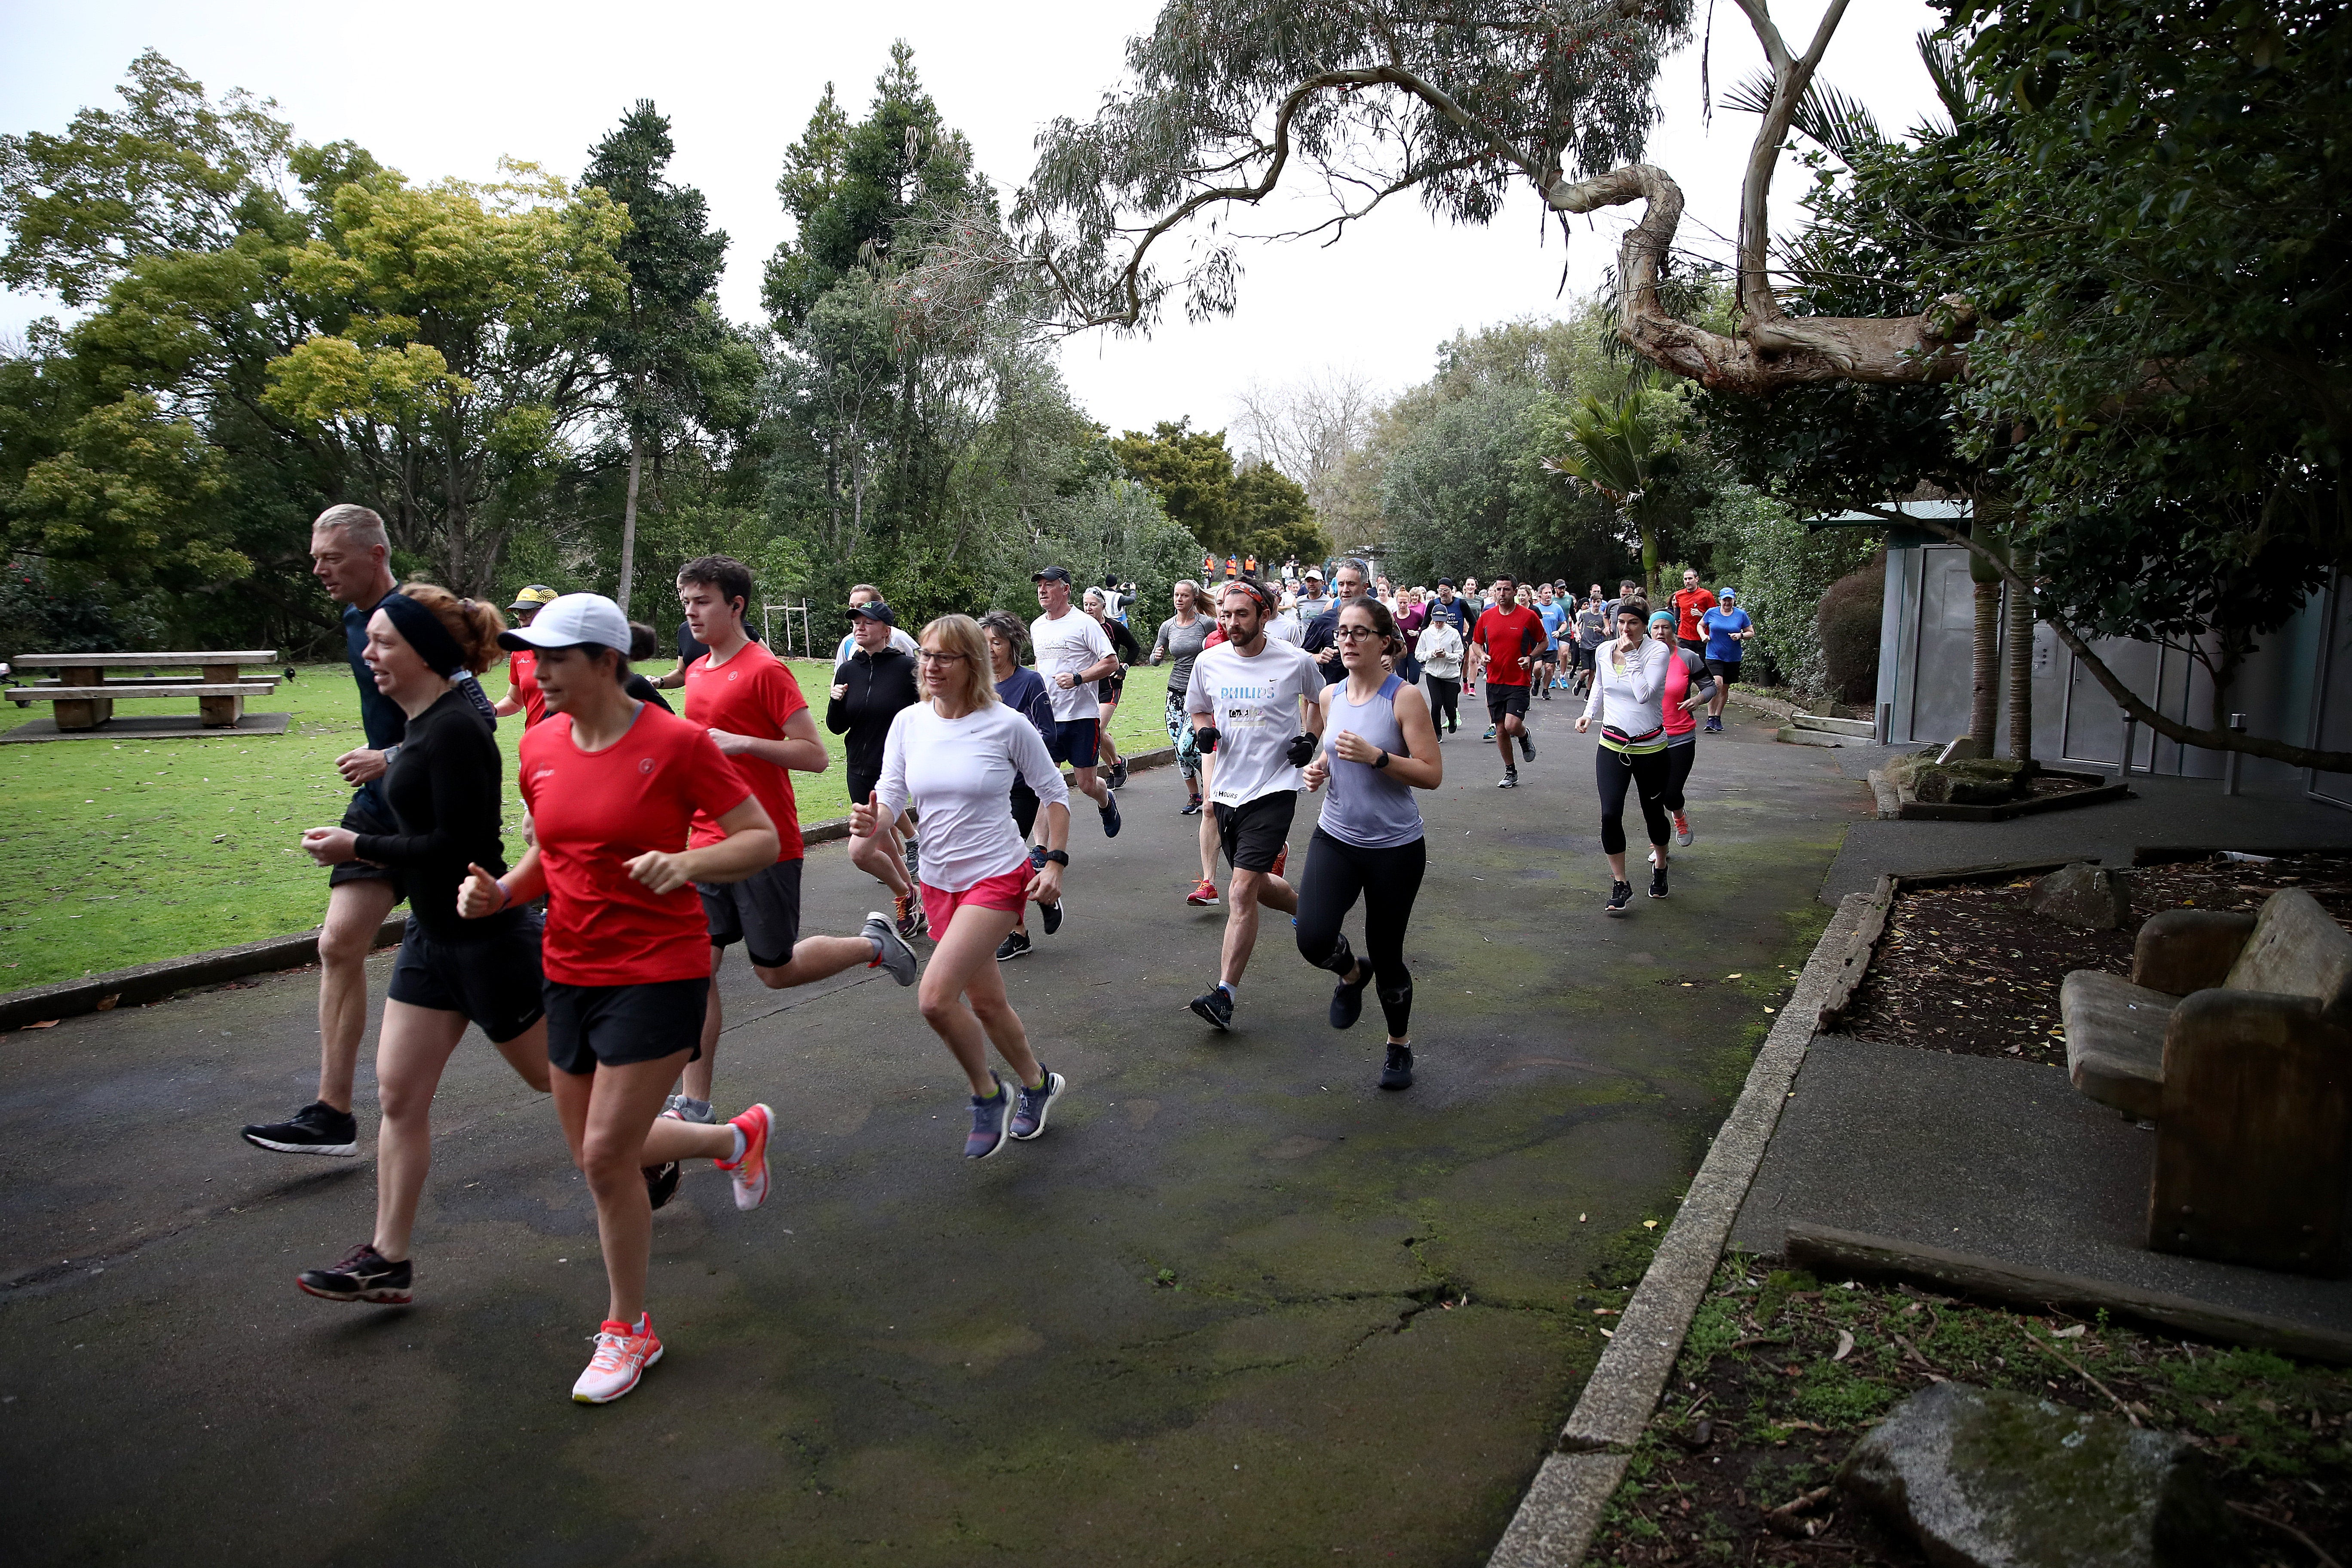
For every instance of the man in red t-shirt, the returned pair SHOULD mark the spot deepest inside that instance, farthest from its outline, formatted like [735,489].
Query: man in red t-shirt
[1691,602]
[522,665]
[747,700]
[1507,641]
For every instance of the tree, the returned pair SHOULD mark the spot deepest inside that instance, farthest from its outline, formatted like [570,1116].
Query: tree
[1308,429]
[1252,509]
[1617,448]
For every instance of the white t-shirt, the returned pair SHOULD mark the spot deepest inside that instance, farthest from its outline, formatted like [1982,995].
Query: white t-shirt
[899,639]
[959,773]
[1255,704]
[1285,626]
[1066,645]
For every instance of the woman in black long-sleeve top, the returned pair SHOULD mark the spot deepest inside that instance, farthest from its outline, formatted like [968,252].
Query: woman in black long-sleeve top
[870,687]
[424,646]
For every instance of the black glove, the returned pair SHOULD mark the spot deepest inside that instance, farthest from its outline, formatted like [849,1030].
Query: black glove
[1301,751]
[1204,739]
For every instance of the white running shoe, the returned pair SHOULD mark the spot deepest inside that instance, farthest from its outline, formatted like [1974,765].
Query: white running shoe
[624,1350]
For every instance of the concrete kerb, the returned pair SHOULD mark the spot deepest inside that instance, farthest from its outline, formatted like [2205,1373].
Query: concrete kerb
[1556,1520]
[153,982]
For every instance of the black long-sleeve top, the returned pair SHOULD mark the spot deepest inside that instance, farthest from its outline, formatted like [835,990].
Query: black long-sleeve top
[443,788]
[1123,643]
[880,683]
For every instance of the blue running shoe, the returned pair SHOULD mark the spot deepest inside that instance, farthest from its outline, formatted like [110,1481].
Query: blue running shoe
[1029,1109]
[988,1119]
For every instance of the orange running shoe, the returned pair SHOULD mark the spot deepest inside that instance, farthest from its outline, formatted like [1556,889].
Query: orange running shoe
[1205,893]
[1281,859]
[624,1350]
[750,1172]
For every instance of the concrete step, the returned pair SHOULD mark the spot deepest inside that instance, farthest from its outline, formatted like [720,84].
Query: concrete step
[1794,737]
[1860,727]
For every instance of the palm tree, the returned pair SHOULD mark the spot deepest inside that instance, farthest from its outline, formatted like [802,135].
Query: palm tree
[1613,446]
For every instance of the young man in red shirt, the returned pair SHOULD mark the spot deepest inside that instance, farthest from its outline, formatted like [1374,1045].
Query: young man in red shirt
[1692,602]
[1508,639]
[523,663]
[746,698]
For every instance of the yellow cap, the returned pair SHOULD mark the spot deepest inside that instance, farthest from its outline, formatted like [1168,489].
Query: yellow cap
[532,597]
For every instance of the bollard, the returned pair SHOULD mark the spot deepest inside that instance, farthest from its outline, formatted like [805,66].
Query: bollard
[1885,721]
[2131,734]
[2230,760]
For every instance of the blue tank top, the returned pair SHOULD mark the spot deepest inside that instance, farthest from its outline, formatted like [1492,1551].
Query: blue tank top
[1368,807]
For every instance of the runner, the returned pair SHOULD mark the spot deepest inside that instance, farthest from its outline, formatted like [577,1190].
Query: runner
[1559,620]
[1072,654]
[1022,691]
[1368,843]
[349,551]
[1351,582]
[523,689]
[1727,629]
[1180,638]
[747,700]
[1592,631]
[1244,702]
[1506,642]
[1107,689]
[860,596]
[869,689]
[1412,614]
[1312,600]
[1439,649]
[1629,677]
[955,757]
[425,647]
[1688,686]
[1691,602]
[614,785]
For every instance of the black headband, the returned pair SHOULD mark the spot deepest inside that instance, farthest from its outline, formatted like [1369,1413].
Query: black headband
[424,633]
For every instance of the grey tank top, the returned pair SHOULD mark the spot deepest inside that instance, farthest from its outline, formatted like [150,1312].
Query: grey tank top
[1364,806]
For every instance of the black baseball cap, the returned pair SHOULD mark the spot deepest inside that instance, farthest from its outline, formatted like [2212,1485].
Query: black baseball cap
[874,610]
[1447,583]
[1051,574]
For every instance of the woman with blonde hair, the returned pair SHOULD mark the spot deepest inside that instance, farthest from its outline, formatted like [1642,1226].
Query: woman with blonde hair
[954,757]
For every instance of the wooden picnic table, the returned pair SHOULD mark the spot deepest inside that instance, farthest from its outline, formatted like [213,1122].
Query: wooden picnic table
[85,697]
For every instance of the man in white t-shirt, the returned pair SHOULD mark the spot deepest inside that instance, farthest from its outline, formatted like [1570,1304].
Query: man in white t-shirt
[1253,707]
[867,594]
[1072,654]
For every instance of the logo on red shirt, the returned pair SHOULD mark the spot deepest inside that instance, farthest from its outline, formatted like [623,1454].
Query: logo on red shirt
[645,764]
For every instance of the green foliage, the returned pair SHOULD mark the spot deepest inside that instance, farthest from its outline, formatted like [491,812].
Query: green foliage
[1783,570]
[1256,510]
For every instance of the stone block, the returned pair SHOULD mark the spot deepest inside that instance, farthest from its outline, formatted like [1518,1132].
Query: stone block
[2088,897]
[1991,1478]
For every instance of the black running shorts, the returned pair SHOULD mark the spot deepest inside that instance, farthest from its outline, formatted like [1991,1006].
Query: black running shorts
[762,912]
[1025,808]
[494,981]
[1724,671]
[590,1026]
[361,815]
[1074,741]
[1253,832]
[1502,699]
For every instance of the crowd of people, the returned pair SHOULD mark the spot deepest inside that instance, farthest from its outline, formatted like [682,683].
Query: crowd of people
[654,841]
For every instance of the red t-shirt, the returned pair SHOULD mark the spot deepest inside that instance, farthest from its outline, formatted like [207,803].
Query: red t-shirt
[522,676]
[1690,603]
[752,694]
[594,812]
[1509,635]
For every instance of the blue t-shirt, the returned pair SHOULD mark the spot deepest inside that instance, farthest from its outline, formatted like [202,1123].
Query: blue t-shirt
[380,717]
[1024,692]
[1721,625]
[1555,617]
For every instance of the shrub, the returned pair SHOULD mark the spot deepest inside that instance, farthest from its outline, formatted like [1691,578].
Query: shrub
[1847,625]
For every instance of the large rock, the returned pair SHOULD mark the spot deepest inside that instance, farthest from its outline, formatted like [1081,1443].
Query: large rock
[1988,1478]
[1985,782]
[2083,895]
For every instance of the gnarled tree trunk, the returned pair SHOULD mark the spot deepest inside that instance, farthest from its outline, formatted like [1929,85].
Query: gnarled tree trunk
[629,521]
[2019,640]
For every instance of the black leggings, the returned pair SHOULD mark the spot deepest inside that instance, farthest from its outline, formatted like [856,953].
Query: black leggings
[1613,770]
[1679,759]
[1445,702]
[1388,880]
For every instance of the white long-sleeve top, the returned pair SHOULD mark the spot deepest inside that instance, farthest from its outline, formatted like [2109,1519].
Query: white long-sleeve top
[1626,691]
[959,773]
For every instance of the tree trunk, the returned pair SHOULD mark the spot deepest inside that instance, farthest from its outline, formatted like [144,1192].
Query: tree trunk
[629,521]
[2020,638]
[1984,691]
[1649,559]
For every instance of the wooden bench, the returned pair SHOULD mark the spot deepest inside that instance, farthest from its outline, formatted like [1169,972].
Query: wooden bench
[85,698]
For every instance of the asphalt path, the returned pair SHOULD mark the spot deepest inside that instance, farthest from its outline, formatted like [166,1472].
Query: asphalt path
[1236,1306]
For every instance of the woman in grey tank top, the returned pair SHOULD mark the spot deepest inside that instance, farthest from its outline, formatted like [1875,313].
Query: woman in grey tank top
[1381,746]
[1180,636]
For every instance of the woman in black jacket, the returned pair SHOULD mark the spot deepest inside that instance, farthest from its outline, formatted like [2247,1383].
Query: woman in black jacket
[869,689]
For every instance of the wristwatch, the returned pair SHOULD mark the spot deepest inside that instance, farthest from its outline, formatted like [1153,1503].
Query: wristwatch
[1383,760]
[1058,856]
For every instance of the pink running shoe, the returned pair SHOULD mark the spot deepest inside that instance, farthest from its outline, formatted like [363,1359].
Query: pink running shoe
[1205,893]
[624,1350]
[750,1172]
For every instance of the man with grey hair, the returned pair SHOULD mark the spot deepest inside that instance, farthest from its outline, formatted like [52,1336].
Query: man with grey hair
[351,556]
[1350,581]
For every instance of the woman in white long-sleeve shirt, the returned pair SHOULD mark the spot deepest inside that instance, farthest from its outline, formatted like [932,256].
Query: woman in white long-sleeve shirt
[953,758]
[1629,678]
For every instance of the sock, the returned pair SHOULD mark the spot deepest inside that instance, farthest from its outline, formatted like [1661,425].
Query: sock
[701,1108]
[877,959]
[1230,987]
[741,1143]
[995,1092]
[644,1323]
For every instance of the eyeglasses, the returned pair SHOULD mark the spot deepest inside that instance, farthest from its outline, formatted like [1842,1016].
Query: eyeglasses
[1354,634]
[937,656]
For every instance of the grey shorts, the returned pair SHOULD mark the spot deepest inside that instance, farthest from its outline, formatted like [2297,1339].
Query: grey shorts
[762,912]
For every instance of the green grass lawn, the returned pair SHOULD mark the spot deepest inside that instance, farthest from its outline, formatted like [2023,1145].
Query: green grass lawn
[196,843]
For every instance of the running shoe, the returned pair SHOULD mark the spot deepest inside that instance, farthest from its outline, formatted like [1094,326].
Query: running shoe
[909,916]
[1714,726]
[661,1182]
[1215,1006]
[624,1350]
[1490,731]
[1658,882]
[686,1107]
[914,859]
[1526,747]
[750,1170]
[894,955]
[1110,814]
[1619,895]
[1683,834]
[364,1275]
[1036,857]
[317,1129]
[1348,1001]
[1052,914]
[1397,1072]
[1118,773]
[1014,945]
[1192,807]
[1281,859]
[1510,779]
[988,1119]
[1030,1105]
[1204,892]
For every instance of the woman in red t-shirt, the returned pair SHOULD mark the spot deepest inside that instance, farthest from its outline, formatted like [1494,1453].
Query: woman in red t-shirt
[614,784]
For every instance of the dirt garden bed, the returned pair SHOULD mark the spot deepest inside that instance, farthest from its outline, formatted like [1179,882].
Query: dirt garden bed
[1969,968]
[1781,1373]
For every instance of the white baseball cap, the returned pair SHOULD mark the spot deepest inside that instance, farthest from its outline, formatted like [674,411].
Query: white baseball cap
[571,620]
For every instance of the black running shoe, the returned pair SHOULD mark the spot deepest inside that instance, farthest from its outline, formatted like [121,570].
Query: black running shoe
[1619,895]
[1526,747]
[1192,807]
[1014,945]
[1215,1006]
[1398,1072]
[1110,814]
[1348,1001]
[317,1129]
[1052,913]
[1118,773]
[661,1183]
[361,1275]
[1658,882]
[1510,779]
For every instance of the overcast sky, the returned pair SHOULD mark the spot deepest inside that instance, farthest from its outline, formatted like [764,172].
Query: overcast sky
[439,88]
